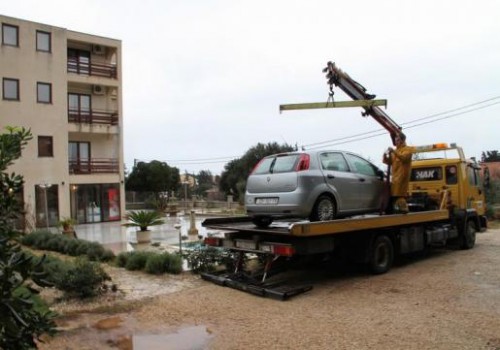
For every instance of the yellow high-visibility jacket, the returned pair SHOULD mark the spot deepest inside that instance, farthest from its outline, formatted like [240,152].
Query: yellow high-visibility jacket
[400,161]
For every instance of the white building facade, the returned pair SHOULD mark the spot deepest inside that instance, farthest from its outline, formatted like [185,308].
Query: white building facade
[66,87]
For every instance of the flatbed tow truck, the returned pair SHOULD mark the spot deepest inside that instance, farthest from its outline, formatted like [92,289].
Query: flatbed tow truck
[447,208]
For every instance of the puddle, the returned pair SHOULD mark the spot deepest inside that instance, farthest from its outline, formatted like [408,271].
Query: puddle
[188,338]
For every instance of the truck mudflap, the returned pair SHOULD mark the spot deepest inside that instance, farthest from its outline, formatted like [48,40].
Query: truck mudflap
[243,282]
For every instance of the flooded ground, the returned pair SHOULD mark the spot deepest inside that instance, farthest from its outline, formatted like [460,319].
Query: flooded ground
[118,238]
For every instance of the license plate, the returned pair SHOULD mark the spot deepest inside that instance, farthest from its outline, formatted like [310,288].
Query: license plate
[266,201]
[246,245]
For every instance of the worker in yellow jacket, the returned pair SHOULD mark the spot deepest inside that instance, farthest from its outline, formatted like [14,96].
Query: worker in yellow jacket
[400,161]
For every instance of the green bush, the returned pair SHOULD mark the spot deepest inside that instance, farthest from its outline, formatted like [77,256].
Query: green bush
[122,258]
[82,279]
[174,264]
[67,245]
[205,259]
[157,264]
[137,260]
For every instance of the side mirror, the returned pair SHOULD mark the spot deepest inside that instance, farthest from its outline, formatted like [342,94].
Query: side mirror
[380,174]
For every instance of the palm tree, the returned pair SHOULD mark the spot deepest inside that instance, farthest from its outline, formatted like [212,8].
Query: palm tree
[143,219]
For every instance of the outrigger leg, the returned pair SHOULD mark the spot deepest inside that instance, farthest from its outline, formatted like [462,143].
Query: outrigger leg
[251,284]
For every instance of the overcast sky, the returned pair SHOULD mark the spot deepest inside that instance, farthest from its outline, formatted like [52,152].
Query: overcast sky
[203,80]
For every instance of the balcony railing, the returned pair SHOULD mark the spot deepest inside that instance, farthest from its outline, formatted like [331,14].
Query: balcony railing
[92,117]
[93,166]
[94,69]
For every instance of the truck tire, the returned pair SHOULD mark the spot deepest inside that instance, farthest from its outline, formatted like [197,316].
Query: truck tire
[324,209]
[468,236]
[381,255]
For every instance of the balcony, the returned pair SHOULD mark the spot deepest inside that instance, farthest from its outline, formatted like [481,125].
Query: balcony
[84,67]
[94,166]
[92,117]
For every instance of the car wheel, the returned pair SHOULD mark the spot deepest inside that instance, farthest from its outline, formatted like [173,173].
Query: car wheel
[381,255]
[262,221]
[324,209]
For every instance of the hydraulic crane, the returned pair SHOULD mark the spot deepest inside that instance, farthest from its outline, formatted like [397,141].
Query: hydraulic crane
[356,91]
[360,97]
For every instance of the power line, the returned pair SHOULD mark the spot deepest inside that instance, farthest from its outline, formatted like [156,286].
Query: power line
[357,137]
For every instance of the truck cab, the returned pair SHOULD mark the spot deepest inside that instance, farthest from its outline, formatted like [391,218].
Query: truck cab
[440,172]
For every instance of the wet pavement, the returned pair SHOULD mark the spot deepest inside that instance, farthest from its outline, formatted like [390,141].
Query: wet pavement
[114,236]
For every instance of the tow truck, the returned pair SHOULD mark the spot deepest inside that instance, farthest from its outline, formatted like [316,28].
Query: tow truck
[447,208]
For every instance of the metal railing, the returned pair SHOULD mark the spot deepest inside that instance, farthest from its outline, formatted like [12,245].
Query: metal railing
[95,69]
[92,117]
[94,166]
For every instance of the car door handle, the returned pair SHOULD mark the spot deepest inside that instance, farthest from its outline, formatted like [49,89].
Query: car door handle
[362,179]
[330,176]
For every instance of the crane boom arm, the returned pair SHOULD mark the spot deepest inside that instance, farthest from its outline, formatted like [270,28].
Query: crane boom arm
[356,91]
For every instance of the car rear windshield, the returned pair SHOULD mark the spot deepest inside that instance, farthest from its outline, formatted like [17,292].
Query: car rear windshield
[279,164]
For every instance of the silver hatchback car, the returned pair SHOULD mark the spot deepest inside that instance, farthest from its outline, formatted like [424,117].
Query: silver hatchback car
[318,185]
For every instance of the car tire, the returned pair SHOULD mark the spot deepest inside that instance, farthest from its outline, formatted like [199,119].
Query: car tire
[262,221]
[324,209]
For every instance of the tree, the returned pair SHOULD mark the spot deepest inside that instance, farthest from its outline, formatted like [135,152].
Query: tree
[490,156]
[233,178]
[156,177]
[20,320]
[205,182]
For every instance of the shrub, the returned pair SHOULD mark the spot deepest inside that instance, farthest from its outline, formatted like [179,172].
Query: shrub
[82,279]
[174,264]
[157,264]
[122,258]
[137,260]
[205,259]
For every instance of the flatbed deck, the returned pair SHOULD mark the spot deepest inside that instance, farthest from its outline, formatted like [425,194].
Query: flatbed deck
[311,229]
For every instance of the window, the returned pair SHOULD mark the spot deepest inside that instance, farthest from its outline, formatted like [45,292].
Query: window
[44,93]
[10,89]
[361,165]
[45,146]
[334,162]
[43,41]
[10,35]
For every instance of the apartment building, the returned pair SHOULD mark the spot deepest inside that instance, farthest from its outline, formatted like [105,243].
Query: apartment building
[66,87]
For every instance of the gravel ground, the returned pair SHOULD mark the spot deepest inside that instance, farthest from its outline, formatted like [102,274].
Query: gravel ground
[445,300]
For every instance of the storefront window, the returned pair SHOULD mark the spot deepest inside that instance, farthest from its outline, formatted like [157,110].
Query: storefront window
[95,202]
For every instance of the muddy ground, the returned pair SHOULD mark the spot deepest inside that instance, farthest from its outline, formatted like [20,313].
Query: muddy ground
[449,299]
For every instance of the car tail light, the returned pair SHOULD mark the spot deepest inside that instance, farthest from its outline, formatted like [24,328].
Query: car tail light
[303,163]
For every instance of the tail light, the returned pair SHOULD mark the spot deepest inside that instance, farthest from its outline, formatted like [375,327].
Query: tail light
[303,163]
[213,241]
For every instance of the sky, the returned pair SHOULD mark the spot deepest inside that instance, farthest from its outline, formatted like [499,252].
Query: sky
[203,79]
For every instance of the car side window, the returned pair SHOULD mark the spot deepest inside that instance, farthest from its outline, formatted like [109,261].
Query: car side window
[361,165]
[333,161]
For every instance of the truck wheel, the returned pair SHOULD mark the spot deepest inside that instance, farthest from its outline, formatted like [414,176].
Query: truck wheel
[468,237]
[324,209]
[262,221]
[381,255]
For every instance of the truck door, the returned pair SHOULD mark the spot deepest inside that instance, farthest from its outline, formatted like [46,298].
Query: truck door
[473,190]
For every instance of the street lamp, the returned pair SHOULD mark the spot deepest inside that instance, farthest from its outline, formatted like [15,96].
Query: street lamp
[44,187]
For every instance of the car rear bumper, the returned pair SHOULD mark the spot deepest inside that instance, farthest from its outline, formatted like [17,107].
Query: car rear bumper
[289,204]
